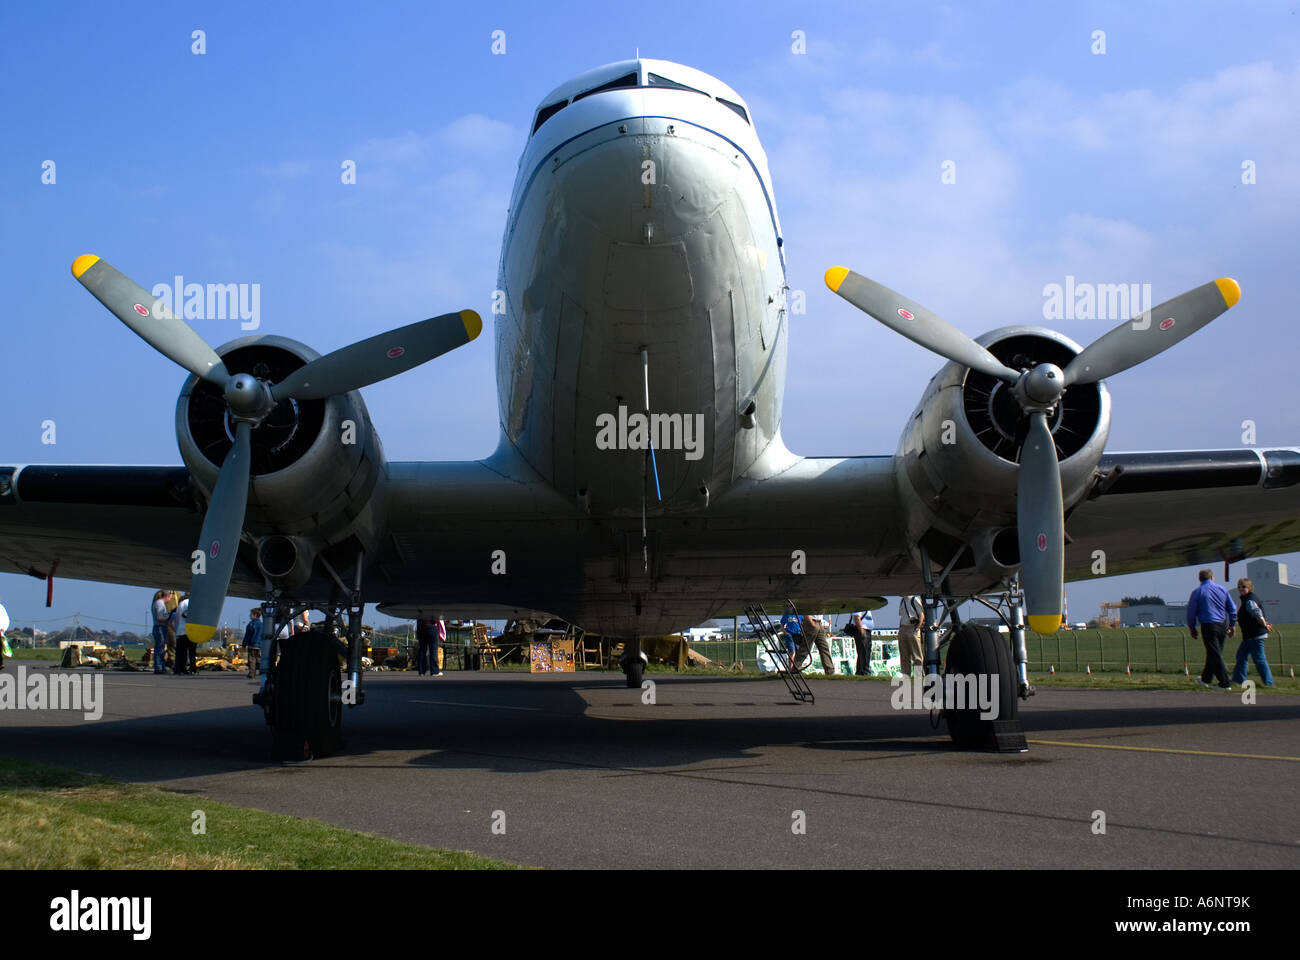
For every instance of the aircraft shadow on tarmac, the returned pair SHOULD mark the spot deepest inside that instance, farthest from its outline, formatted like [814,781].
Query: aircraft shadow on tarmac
[512,725]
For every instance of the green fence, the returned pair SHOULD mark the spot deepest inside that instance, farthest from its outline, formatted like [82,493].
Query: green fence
[1158,650]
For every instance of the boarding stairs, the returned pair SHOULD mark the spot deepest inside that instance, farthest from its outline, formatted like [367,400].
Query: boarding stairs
[769,634]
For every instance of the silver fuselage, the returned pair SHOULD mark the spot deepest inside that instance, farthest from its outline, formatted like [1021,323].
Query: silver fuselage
[642,218]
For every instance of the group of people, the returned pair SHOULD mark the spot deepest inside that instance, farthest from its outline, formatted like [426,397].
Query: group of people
[1211,608]
[802,633]
[168,612]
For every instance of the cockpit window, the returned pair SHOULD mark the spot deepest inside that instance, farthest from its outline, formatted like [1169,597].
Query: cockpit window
[737,107]
[546,113]
[658,81]
[629,80]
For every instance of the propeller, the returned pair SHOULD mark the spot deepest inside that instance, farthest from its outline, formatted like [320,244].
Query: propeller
[250,400]
[1040,521]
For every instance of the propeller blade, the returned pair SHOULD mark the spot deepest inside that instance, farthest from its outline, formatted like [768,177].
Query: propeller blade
[915,322]
[379,357]
[1143,337]
[219,540]
[1040,524]
[145,314]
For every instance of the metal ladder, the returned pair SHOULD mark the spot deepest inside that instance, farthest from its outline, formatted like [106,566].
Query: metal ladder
[770,634]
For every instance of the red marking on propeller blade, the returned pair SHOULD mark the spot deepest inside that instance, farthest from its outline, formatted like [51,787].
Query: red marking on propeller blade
[1042,541]
[214,549]
[905,314]
[1166,324]
[396,352]
[142,310]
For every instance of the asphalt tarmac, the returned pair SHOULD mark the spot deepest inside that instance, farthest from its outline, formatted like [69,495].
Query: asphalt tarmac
[576,771]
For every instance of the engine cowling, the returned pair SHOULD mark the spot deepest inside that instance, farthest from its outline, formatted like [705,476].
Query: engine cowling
[315,465]
[959,453]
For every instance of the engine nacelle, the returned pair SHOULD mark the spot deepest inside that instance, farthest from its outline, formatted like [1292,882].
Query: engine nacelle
[315,467]
[958,453]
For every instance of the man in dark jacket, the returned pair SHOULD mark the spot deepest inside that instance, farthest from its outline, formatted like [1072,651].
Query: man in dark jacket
[1254,631]
[253,642]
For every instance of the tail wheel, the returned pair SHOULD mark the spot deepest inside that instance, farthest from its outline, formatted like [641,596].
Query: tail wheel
[307,716]
[979,651]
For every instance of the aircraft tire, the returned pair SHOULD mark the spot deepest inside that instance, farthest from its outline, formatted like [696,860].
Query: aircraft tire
[979,650]
[635,671]
[307,716]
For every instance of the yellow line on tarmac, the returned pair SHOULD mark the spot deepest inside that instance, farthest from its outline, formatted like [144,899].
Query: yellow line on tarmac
[1198,753]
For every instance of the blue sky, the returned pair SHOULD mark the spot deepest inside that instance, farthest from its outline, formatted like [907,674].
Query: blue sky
[1119,167]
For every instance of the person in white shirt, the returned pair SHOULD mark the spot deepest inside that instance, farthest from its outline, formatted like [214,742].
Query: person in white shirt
[185,651]
[161,614]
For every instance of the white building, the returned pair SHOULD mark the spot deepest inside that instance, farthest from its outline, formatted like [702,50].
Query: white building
[1280,599]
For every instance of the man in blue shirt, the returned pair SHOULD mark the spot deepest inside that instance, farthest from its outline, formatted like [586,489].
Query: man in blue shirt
[1212,607]
[793,634]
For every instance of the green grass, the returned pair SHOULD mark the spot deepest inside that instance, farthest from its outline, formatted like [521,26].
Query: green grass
[56,819]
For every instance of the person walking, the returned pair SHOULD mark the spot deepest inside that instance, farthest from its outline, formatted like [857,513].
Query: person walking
[1254,631]
[815,633]
[1211,607]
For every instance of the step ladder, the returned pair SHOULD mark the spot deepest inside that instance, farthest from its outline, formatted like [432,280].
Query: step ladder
[770,635]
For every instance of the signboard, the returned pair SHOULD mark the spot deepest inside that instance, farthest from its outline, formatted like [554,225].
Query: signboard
[550,656]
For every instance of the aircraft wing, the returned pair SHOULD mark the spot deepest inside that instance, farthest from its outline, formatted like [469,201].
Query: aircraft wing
[1152,511]
[123,524]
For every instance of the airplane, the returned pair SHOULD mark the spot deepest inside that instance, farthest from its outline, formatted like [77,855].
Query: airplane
[641,484]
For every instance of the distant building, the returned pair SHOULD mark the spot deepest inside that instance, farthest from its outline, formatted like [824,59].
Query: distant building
[1281,599]
[1157,613]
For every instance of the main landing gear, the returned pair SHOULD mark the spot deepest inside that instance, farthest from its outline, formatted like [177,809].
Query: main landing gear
[981,684]
[304,693]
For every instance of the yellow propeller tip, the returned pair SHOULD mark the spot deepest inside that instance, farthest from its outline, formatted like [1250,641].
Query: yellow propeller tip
[83,263]
[835,276]
[198,633]
[473,323]
[1042,623]
[1230,290]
